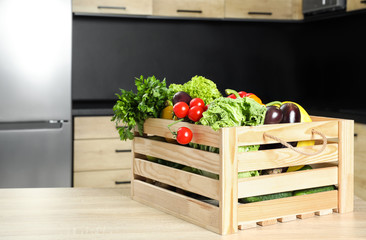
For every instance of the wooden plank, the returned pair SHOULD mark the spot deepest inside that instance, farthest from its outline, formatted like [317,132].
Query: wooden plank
[186,208]
[204,186]
[284,182]
[269,9]
[180,154]
[121,7]
[102,179]
[228,181]
[267,222]
[189,8]
[101,154]
[286,131]
[287,206]
[201,134]
[285,157]
[305,215]
[346,166]
[321,118]
[94,127]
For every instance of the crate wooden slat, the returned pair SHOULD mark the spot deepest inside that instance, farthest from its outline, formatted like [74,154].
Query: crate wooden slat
[278,158]
[222,212]
[346,166]
[287,206]
[285,182]
[286,131]
[199,159]
[188,181]
[202,134]
[190,209]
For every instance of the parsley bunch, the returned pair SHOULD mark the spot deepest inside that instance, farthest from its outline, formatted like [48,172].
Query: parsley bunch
[132,109]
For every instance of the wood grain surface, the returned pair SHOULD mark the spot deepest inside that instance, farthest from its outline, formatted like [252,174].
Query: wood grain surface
[86,213]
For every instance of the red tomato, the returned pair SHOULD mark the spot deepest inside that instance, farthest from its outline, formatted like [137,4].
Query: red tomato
[195,113]
[242,94]
[180,109]
[232,96]
[184,135]
[196,102]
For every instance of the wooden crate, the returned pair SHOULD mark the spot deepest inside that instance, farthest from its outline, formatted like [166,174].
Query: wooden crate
[213,204]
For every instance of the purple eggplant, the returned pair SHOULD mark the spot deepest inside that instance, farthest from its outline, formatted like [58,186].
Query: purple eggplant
[291,113]
[273,115]
[181,97]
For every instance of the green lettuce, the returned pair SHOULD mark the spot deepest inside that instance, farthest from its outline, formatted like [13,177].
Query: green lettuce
[198,87]
[228,112]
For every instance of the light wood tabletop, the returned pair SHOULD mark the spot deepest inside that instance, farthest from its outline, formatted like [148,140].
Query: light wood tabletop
[82,213]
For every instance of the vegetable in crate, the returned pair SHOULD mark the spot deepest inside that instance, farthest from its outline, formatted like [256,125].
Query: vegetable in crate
[198,87]
[228,112]
[265,197]
[132,109]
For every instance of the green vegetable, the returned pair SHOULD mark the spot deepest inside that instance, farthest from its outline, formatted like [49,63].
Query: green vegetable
[313,190]
[198,87]
[248,174]
[265,197]
[228,112]
[133,109]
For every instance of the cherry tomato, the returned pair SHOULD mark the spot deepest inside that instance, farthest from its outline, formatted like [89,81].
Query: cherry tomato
[180,109]
[197,102]
[184,135]
[195,113]
[242,94]
[232,96]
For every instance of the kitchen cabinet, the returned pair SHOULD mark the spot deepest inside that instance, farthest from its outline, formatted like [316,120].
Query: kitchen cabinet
[265,9]
[101,159]
[128,7]
[360,160]
[356,5]
[189,8]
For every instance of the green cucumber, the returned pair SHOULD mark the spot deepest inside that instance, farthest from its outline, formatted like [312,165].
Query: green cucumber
[313,190]
[265,197]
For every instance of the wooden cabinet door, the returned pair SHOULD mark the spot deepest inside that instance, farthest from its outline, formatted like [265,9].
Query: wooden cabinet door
[264,9]
[189,8]
[353,5]
[129,7]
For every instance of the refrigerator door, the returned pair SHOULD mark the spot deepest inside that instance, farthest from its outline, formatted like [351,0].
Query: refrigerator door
[35,155]
[35,60]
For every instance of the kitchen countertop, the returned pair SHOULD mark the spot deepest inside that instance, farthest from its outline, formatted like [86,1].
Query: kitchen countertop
[87,213]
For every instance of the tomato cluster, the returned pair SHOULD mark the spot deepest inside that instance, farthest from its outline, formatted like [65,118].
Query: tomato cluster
[193,111]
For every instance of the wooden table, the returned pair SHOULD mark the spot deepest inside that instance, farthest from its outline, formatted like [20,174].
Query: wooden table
[76,213]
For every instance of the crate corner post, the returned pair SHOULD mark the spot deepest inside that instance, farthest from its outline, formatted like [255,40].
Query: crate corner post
[228,181]
[346,166]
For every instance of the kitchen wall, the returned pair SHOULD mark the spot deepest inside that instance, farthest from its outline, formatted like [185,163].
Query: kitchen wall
[318,63]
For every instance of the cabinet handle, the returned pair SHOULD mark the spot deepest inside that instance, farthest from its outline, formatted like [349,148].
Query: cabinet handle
[363,1]
[260,13]
[122,150]
[111,7]
[122,182]
[188,11]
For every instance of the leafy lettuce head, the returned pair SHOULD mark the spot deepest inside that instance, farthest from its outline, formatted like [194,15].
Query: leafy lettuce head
[228,112]
[198,87]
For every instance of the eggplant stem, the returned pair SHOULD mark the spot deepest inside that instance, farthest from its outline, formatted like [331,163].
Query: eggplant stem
[274,103]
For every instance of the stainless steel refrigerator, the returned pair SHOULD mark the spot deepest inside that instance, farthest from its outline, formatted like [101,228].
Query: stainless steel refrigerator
[35,93]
